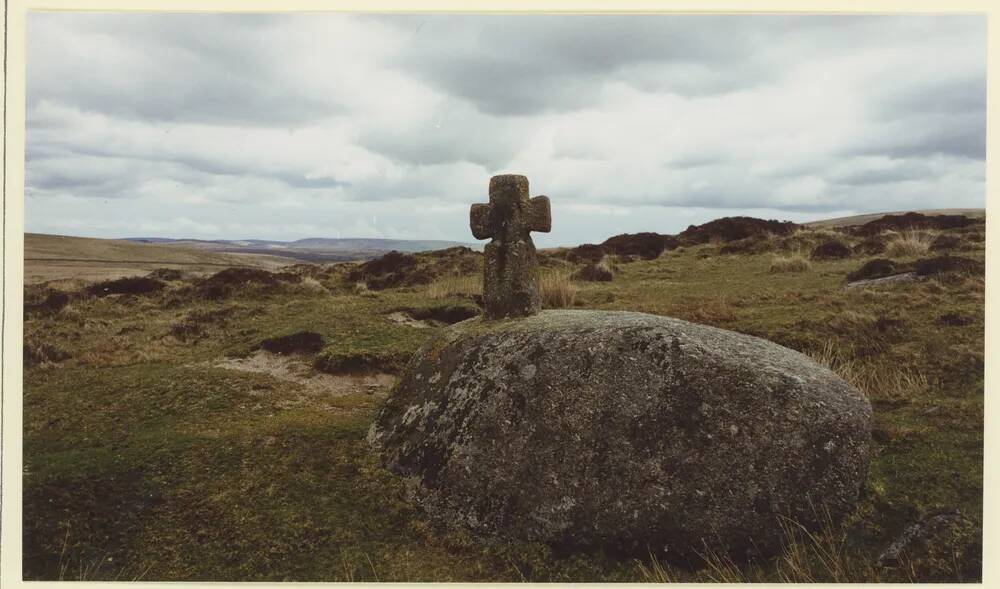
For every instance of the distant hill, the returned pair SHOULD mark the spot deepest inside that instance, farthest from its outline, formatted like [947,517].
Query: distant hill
[313,249]
[61,257]
[862,219]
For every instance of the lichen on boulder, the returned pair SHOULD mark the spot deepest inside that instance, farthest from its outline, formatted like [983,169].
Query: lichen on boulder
[623,432]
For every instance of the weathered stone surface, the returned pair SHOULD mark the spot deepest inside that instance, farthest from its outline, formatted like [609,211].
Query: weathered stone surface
[904,277]
[510,284]
[623,431]
[933,546]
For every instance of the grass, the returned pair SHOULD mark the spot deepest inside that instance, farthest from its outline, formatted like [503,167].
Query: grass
[909,244]
[875,380]
[456,285]
[790,263]
[608,264]
[59,257]
[557,289]
[138,447]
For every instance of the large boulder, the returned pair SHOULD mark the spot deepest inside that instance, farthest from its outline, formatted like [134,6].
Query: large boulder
[626,432]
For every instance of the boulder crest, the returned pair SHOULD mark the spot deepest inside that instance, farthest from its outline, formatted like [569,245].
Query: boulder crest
[623,431]
[618,431]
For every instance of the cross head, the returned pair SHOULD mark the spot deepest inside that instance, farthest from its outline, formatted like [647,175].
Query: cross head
[510,278]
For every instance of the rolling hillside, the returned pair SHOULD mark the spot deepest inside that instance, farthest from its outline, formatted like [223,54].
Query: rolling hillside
[59,257]
[312,249]
[862,219]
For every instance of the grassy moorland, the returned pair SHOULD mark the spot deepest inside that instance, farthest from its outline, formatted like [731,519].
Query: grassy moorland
[212,428]
[50,258]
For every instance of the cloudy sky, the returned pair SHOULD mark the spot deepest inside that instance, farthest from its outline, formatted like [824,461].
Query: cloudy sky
[332,125]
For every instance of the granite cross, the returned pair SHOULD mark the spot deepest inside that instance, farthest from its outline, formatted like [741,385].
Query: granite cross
[510,279]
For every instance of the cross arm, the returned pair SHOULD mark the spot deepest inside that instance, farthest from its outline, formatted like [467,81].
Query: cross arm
[540,215]
[479,220]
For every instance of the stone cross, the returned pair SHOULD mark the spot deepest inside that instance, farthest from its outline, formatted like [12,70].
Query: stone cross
[510,280]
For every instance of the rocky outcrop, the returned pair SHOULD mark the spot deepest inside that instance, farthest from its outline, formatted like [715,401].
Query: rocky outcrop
[624,432]
[932,547]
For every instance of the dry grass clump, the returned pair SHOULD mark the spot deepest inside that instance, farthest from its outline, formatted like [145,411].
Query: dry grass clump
[806,556]
[791,263]
[37,351]
[310,285]
[710,311]
[123,350]
[601,271]
[456,285]
[361,289]
[609,264]
[557,290]
[874,381]
[910,244]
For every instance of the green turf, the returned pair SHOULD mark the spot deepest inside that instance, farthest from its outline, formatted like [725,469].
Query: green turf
[145,459]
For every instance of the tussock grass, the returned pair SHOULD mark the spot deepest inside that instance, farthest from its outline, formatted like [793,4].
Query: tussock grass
[470,285]
[910,244]
[876,381]
[609,264]
[806,556]
[791,263]
[361,289]
[558,290]
[311,286]
[711,311]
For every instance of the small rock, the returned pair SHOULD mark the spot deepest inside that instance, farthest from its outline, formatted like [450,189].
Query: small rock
[905,277]
[932,546]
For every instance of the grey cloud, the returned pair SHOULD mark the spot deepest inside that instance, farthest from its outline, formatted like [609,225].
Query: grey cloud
[94,171]
[166,67]
[694,160]
[505,88]
[902,172]
[104,178]
[544,63]
[453,134]
[938,96]
[958,136]
[299,181]
[529,64]
[929,117]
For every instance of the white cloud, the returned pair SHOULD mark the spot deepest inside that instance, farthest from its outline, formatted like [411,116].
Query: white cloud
[289,126]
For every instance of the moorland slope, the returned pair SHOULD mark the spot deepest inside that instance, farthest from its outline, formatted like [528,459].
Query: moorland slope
[212,427]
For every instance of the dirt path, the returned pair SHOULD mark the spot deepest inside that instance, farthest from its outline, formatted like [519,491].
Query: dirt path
[295,369]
